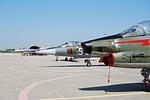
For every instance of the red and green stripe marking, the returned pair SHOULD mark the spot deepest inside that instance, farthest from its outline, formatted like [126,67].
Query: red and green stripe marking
[145,42]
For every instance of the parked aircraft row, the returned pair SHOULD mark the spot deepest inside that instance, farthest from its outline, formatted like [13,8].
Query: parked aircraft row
[128,49]
[70,50]
[31,51]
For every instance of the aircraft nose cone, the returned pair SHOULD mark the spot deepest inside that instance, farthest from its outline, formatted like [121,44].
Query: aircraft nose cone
[48,51]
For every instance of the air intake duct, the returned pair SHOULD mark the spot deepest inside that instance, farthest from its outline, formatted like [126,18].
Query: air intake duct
[86,48]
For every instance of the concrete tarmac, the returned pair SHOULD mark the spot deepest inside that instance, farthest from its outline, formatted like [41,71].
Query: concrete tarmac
[43,78]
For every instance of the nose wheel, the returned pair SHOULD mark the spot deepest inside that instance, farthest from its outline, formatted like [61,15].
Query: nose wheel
[145,73]
[56,58]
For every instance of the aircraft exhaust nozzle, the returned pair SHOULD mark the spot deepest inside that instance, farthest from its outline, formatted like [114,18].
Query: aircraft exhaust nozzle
[47,51]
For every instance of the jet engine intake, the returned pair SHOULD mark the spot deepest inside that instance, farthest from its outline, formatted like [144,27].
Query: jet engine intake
[86,48]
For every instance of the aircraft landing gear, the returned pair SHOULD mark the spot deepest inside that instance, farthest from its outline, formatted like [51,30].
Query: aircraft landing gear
[66,59]
[145,73]
[88,63]
[56,58]
[71,59]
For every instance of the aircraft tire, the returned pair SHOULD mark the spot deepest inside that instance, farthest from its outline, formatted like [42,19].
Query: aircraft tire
[88,64]
[66,59]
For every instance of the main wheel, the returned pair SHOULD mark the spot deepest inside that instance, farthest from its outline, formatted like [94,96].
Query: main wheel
[66,59]
[70,59]
[89,64]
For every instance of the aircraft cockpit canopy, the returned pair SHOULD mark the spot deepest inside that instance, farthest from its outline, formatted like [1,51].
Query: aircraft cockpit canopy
[140,29]
[146,26]
[71,43]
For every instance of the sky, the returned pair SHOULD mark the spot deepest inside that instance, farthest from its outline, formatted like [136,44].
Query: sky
[24,23]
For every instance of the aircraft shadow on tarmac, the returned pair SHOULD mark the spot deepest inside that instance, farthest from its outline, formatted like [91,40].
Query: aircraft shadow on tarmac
[73,66]
[127,87]
[69,60]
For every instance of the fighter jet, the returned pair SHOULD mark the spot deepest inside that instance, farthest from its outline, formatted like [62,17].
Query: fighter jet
[128,49]
[31,51]
[72,50]
[25,52]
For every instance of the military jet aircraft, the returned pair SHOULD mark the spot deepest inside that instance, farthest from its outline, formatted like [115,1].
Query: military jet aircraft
[128,49]
[31,51]
[70,49]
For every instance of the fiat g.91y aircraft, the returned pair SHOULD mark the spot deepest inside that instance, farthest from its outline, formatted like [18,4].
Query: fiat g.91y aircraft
[128,49]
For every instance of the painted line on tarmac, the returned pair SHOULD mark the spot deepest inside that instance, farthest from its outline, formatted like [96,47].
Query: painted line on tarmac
[37,72]
[26,71]
[23,95]
[97,96]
